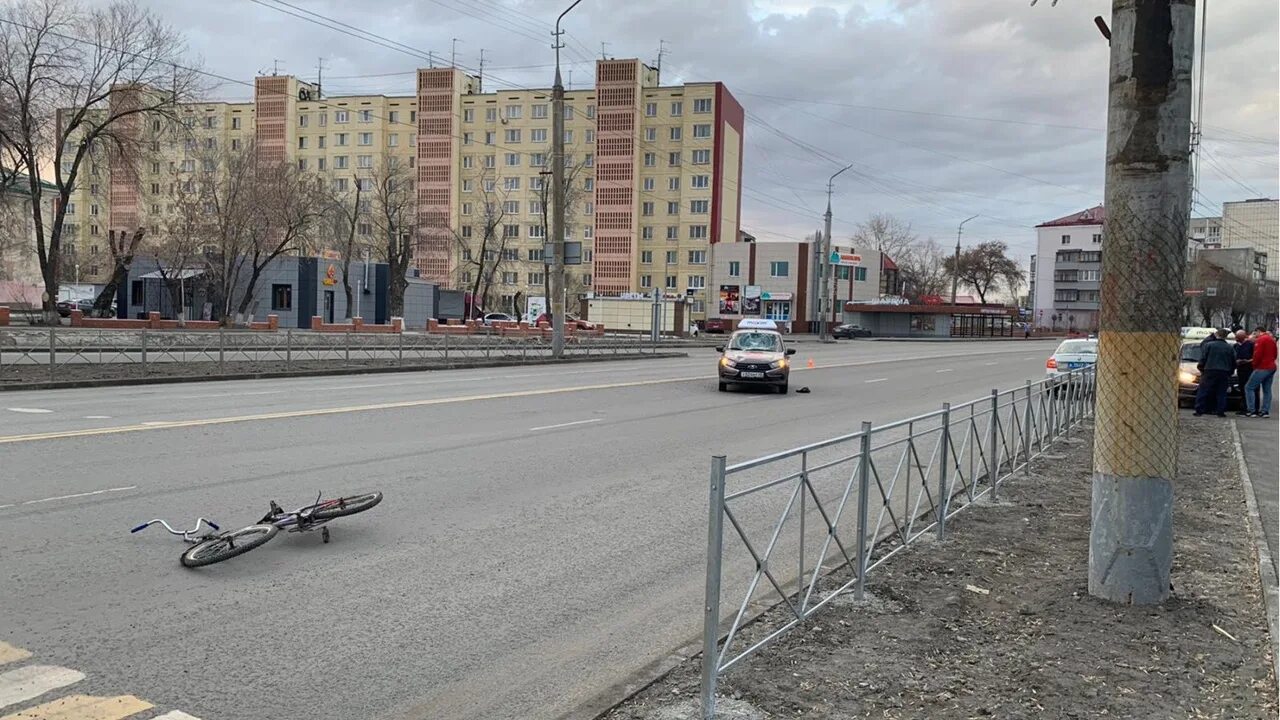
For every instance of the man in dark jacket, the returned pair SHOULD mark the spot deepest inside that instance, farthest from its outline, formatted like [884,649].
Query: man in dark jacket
[1244,366]
[1217,363]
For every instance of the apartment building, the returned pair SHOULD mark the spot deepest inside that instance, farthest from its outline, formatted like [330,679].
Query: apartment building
[654,172]
[1067,271]
[1254,224]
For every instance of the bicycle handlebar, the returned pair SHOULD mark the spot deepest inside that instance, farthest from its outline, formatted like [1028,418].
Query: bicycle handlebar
[170,528]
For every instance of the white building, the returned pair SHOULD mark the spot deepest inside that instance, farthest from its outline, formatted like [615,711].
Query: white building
[1254,224]
[1067,271]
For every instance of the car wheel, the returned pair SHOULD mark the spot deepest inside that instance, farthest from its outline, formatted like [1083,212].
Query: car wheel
[724,387]
[783,388]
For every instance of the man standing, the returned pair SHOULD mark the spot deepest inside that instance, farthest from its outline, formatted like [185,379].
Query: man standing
[1244,365]
[1217,363]
[1264,372]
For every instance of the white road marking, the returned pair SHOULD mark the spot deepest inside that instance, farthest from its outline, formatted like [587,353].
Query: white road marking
[227,394]
[6,506]
[944,370]
[989,364]
[155,422]
[97,417]
[78,495]
[29,410]
[875,380]
[33,681]
[577,422]
[176,715]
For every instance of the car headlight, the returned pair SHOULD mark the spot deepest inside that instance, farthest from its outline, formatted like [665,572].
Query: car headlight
[726,362]
[778,364]
[1187,377]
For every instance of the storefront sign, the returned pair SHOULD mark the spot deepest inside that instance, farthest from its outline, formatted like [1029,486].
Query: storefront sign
[775,296]
[330,275]
[839,258]
[751,300]
[730,300]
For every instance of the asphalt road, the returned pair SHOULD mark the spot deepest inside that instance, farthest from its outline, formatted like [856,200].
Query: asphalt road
[542,537]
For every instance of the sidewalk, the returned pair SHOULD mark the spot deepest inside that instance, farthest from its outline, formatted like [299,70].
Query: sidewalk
[1259,438]
[997,621]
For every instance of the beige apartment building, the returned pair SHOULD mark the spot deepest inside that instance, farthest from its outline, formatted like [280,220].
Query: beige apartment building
[1254,224]
[655,173]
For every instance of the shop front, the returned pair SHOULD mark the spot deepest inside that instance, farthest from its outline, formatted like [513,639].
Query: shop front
[936,321]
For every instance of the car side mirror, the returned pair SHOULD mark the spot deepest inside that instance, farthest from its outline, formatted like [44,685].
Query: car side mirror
[791,351]
[719,348]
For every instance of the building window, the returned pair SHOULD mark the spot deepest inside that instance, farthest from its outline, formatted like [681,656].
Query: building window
[646,209]
[702,105]
[320,142]
[535,255]
[535,207]
[537,232]
[860,274]
[302,119]
[511,183]
[650,159]
[514,112]
[646,257]
[673,208]
[676,133]
[539,112]
[235,123]
[699,207]
[340,139]
[648,183]
[466,233]
[735,268]
[591,136]
[697,232]
[589,184]
[511,207]
[1090,275]
[646,281]
[651,109]
[340,162]
[1066,295]
[673,183]
[491,114]
[673,232]
[538,136]
[510,254]
[700,181]
[510,278]
[702,131]
[366,116]
[697,257]
[320,164]
[489,185]
[340,184]
[568,137]
[672,257]
[364,228]
[1097,238]
[393,116]
[535,278]
[677,109]
[340,116]
[468,161]
[1066,239]
[673,159]
[468,115]
[511,136]
[235,144]
[393,140]
[282,297]
[466,210]
[364,161]
[489,137]
[646,232]
[302,164]
[671,282]
[651,134]
[490,161]
[468,138]
[538,160]
[366,138]
[701,157]
[697,282]
[589,160]
[779,269]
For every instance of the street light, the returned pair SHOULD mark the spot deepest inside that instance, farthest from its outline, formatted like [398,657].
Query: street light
[557,198]
[955,266]
[824,263]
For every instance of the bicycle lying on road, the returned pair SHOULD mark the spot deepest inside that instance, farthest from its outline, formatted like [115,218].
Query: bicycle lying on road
[212,547]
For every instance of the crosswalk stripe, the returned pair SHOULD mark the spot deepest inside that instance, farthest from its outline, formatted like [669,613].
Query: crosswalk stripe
[84,707]
[176,715]
[9,653]
[32,681]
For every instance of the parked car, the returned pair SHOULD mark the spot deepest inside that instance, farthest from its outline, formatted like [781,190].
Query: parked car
[1071,355]
[715,325]
[490,318]
[755,357]
[570,321]
[1189,376]
[850,331]
[85,306]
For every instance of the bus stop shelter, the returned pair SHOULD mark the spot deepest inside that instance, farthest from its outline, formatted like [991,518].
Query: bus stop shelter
[937,321]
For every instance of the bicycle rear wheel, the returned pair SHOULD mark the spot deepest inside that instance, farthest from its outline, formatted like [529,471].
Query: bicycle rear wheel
[228,545]
[342,507]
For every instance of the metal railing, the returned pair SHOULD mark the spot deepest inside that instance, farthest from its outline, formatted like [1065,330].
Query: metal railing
[53,354]
[900,482]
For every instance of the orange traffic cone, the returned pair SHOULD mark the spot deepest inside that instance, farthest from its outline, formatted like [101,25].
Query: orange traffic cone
[809,364]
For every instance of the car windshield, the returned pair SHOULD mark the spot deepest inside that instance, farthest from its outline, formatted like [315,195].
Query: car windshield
[1191,352]
[1078,347]
[766,342]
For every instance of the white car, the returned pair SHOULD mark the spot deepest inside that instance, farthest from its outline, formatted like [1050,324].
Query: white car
[490,318]
[1071,355]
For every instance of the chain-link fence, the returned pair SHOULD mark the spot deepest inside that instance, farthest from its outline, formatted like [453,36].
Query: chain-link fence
[73,355]
[812,522]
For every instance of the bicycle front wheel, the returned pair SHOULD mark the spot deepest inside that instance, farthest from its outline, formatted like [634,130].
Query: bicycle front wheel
[228,545]
[342,507]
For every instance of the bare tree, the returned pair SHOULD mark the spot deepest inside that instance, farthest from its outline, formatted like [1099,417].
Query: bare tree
[886,233]
[179,250]
[485,254]
[985,267]
[345,211]
[573,196]
[922,269]
[394,216]
[122,247]
[81,78]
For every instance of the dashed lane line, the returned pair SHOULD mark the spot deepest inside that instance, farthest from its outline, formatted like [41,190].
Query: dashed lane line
[84,707]
[77,495]
[32,681]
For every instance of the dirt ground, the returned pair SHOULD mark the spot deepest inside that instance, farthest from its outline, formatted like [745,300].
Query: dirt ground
[1038,646]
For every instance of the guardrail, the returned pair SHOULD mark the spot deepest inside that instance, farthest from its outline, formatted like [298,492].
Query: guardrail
[903,480]
[47,354]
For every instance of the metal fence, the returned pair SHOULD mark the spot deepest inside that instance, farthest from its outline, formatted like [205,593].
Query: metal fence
[814,521]
[53,354]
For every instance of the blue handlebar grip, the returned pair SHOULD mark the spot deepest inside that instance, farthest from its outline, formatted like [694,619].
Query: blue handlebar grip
[143,526]
[213,525]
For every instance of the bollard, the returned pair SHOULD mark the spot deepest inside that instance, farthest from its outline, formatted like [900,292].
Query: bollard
[711,618]
[864,487]
[993,438]
[944,494]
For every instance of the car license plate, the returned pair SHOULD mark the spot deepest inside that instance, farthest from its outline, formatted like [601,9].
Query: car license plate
[1075,365]
[752,375]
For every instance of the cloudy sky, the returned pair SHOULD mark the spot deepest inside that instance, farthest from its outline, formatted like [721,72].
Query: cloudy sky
[946,108]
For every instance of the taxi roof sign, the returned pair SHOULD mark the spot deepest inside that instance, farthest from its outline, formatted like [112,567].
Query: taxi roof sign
[757,324]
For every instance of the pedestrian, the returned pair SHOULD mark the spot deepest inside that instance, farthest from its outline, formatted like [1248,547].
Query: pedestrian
[1217,363]
[1244,366]
[1264,372]
[1026,331]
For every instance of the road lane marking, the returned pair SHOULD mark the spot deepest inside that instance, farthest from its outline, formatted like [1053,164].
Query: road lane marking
[576,422]
[989,364]
[9,653]
[226,394]
[401,404]
[84,707]
[944,370]
[875,380]
[97,417]
[176,715]
[33,681]
[78,495]
[29,410]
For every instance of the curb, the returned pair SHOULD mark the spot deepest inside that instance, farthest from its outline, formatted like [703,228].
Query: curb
[71,384]
[1266,564]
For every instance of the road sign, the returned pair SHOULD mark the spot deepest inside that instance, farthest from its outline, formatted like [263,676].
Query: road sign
[1190,292]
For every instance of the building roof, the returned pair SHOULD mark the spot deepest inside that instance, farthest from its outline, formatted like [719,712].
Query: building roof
[1093,216]
[887,263]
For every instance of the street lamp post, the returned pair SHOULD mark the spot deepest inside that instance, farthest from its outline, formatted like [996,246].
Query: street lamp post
[557,199]
[955,264]
[824,263]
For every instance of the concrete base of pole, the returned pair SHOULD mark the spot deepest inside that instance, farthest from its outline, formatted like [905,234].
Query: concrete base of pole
[1131,539]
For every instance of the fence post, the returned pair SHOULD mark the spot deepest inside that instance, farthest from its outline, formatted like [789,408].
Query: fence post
[222,350]
[993,438]
[974,442]
[53,355]
[288,349]
[1050,387]
[144,352]
[864,484]
[1026,432]
[944,492]
[346,346]
[400,348]
[446,347]
[804,490]
[711,620]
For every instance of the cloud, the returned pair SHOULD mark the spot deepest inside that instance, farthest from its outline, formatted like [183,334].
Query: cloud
[947,108]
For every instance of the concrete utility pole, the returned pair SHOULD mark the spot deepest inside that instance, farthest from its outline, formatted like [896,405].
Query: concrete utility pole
[955,264]
[824,265]
[556,301]
[1147,186]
